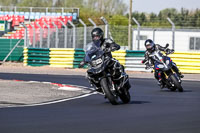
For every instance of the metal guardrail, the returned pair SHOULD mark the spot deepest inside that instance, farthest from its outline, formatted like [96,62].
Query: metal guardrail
[61,57]
[36,56]
[188,62]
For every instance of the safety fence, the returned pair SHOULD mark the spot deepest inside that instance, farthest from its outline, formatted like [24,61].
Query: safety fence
[6,46]
[71,58]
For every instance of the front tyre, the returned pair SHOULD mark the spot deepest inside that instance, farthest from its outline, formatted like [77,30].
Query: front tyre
[107,86]
[125,95]
[176,83]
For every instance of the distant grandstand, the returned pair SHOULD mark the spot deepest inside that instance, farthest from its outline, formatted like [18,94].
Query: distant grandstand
[13,20]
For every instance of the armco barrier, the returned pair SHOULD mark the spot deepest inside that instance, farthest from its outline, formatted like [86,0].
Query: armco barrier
[6,46]
[188,62]
[120,56]
[78,57]
[54,57]
[133,60]
[36,56]
[61,57]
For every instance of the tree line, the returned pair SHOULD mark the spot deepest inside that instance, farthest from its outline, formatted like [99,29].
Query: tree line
[183,18]
[116,12]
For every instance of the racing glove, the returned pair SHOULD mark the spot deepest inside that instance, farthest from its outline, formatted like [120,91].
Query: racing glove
[82,63]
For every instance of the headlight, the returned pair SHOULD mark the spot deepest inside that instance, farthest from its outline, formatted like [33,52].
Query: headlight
[160,66]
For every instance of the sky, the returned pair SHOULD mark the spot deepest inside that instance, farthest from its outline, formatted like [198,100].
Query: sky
[155,6]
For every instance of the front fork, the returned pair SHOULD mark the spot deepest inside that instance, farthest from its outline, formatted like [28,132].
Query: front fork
[167,76]
[96,83]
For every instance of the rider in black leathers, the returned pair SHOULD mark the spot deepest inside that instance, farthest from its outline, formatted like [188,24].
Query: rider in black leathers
[107,45]
[148,61]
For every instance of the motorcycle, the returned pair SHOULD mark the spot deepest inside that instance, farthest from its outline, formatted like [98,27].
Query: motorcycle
[101,79]
[170,78]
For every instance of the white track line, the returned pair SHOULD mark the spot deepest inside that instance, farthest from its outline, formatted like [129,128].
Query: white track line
[53,102]
[76,87]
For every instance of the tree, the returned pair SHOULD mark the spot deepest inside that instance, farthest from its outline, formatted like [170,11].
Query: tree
[9,2]
[36,3]
[107,7]
[143,18]
[152,17]
[136,15]
[169,12]
[71,3]
[197,18]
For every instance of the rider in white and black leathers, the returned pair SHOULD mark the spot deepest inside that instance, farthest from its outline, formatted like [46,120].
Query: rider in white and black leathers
[149,61]
[107,45]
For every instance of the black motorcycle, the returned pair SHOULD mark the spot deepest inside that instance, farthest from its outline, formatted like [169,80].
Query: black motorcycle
[170,78]
[101,79]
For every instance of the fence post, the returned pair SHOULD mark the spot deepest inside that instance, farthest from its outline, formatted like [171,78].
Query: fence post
[132,38]
[138,35]
[56,34]
[25,36]
[48,37]
[154,30]
[15,8]
[74,34]
[106,26]
[65,35]
[33,35]
[85,33]
[47,10]
[173,32]
[93,23]
[62,10]
[41,33]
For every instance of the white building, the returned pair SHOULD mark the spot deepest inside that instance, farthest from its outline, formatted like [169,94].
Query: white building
[184,39]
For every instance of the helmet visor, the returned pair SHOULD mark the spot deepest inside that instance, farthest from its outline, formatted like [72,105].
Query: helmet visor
[96,37]
[150,47]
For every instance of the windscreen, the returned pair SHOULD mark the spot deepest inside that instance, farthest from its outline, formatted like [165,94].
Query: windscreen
[93,53]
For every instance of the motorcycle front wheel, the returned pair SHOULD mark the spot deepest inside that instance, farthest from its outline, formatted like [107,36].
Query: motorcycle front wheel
[177,85]
[106,86]
[125,95]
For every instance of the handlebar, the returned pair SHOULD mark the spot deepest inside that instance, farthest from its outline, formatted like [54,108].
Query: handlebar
[167,45]
[169,52]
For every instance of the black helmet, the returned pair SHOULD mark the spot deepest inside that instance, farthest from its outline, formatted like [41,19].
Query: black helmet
[97,34]
[150,45]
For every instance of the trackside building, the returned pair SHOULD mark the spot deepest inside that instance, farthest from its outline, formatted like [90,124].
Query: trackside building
[184,39]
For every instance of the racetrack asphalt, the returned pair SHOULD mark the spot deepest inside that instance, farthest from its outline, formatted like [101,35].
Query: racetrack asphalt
[151,110]
[15,92]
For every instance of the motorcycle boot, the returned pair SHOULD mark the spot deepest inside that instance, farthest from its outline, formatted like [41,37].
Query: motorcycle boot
[161,84]
[159,78]
[120,77]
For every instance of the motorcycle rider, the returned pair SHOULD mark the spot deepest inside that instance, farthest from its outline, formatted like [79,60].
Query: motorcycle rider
[107,45]
[148,61]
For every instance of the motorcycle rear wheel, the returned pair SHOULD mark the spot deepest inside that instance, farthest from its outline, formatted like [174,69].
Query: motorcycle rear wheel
[105,84]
